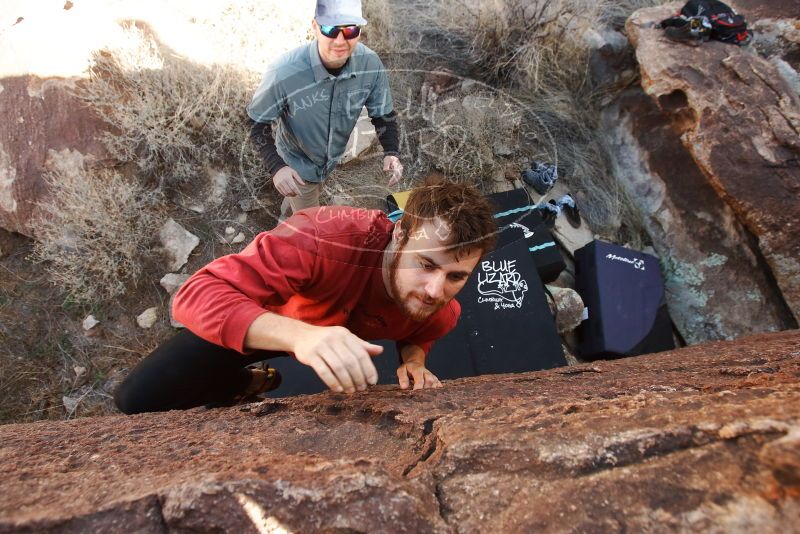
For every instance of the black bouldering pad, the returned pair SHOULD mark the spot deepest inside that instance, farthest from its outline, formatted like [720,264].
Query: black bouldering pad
[517,215]
[623,291]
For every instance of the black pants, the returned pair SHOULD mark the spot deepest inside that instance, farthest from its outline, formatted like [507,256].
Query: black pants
[184,372]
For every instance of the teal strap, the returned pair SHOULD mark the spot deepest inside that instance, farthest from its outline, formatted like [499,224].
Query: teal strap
[515,210]
[397,214]
[542,246]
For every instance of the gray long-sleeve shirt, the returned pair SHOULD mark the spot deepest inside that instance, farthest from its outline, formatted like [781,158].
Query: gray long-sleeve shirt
[315,111]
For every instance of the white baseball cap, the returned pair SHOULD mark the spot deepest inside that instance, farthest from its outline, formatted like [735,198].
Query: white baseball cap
[339,13]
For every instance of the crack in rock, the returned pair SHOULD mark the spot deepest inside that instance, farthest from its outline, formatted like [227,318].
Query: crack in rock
[430,439]
[579,370]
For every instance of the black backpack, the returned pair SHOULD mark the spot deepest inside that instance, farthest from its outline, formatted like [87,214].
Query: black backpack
[715,19]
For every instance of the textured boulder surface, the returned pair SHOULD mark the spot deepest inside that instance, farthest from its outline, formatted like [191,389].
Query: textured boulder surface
[717,286]
[740,120]
[767,9]
[46,129]
[700,439]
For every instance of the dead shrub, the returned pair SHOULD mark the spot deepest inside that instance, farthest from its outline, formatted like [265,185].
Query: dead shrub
[532,44]
[380,34]
[464,135]
[94,232]
[169,116]
[535,51]
[517,41]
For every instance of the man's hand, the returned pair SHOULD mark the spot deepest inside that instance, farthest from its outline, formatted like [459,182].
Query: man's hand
[340,358]
[421,377]
[392,163]
[287,182]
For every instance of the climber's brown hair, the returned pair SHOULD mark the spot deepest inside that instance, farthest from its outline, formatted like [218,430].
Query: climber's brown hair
[469,215]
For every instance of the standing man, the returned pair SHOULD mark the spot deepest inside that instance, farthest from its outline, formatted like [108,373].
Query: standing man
[312,97]
[319,287]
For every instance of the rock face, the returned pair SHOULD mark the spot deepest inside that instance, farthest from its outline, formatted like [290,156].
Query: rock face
[715,286]
[41,120]
[566,306]
[740,120]
[696,440]
[610,56]
[767,9]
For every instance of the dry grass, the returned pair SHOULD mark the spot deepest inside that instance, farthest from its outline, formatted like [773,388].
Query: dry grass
[94,232]
[169,116]
[463,135]
[44,352]
[381,33]
[533,52]
[520,42]
[533,45]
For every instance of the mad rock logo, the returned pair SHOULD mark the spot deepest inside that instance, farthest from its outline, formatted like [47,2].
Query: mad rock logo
[525,230]
[500,283]
[637,263]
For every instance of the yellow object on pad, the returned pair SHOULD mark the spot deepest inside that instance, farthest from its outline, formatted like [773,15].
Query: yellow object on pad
[400,198]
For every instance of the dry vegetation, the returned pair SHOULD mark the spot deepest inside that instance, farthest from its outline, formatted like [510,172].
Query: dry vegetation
[173,119]
[170,117]
[95,232]
[532,53]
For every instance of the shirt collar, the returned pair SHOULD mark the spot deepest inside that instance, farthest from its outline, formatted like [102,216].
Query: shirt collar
[321,73]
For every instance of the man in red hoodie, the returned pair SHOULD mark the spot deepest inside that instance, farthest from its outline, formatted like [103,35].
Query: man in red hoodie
[319,286]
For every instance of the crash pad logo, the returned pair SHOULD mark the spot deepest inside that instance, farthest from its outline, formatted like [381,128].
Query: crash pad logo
[501,284]
[636,262]
[525,230]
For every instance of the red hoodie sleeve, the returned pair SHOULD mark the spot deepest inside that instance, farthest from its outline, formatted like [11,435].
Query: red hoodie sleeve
[221,300]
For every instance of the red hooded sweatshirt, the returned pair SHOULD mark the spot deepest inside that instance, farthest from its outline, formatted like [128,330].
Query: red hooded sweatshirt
[321,266]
